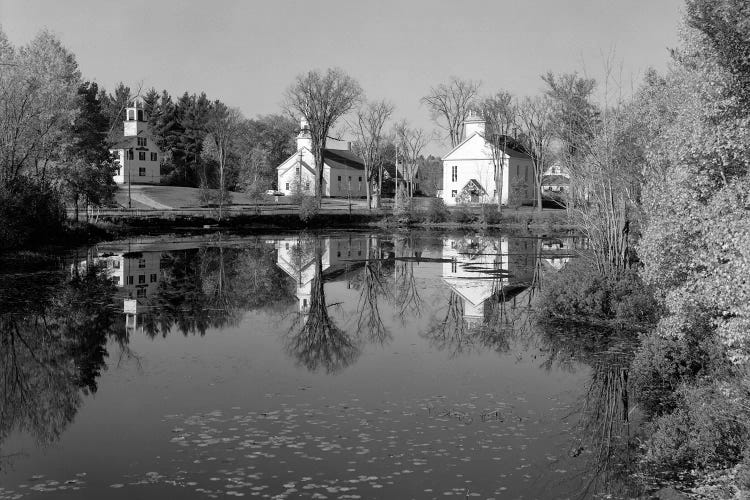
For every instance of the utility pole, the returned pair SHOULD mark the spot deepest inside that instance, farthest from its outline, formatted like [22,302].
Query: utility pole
[130,204]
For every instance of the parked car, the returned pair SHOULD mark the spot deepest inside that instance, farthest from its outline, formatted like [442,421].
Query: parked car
[271,192]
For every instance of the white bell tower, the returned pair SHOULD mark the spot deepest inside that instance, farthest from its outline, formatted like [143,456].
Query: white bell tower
[304,139]
[473,123]
[135,119]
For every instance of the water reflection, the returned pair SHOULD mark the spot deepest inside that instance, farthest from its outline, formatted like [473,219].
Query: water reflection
[314,339]
[53,350]
[605,434]
[331,297]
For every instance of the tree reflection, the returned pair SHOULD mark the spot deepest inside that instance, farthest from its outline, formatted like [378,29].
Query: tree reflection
[406,296]
[314,340]
[52,351]
[212,287]
[372,283]
[604,438]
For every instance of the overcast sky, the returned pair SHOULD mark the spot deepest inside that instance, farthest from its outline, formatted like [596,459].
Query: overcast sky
[247,52]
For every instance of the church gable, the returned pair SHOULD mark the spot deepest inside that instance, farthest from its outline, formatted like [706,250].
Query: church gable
[473,148]
[293,161]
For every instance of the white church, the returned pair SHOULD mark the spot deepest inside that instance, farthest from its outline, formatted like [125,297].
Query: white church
[343,171]
[137,154]
[469,171]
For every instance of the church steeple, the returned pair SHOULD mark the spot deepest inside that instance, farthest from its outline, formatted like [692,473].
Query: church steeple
[135,118]
[304,139]
[473,123]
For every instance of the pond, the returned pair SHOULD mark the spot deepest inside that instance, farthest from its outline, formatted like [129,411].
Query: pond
[343,365]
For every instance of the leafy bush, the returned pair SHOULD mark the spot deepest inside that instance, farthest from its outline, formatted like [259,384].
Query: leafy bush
[710,428]
[491,214]
[663,363]
[308,208]
[436,211]
[580,293]
[30,213]
[402,209]
[463,215]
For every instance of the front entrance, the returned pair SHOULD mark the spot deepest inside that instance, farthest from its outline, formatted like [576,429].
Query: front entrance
[473,192]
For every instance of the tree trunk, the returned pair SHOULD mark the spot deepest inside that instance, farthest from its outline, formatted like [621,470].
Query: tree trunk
[368,184]
[538,189]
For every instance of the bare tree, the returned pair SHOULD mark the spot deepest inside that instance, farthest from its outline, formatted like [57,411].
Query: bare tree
[500,113]
[322,99]
[223,126]
[368,130]
[410,143]
[449,105]
[536,117]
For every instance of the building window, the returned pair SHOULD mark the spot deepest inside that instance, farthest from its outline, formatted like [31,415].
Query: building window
[140,293]
[115,264]
[116,280]
[153,156]
[153,278]
[131,114]
[454,265]
[141,263]
[360,179]
[141,278]
[287,186]
[142,171]
[454,173]
[142,155]
[140,115]
[130,280]
[307,185]
[130,154]
[141,141]
[454,193]
[339,178]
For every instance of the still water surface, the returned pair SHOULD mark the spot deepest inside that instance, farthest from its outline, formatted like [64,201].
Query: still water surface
[343,365]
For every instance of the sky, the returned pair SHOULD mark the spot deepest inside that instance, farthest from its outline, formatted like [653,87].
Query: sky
[246,53]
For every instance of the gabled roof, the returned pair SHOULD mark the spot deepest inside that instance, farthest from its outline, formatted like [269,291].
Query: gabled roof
[555,180]
[336,158]
[511,147]
[341,158]
[473,184]
[123,142]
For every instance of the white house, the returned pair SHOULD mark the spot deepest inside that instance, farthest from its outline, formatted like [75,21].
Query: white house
[137,152]
[469,170]
[343,171]
[556,179]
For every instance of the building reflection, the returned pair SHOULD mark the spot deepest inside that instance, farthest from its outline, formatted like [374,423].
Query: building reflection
[483,271]
[136,275]
[556,252]
[336,258]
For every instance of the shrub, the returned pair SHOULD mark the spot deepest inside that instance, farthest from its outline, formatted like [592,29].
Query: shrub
[30,213]
[579,293]
[308,208]
[710,428]
[664,362]
[436,211]
[402,209]
[463,215]
[491,214]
